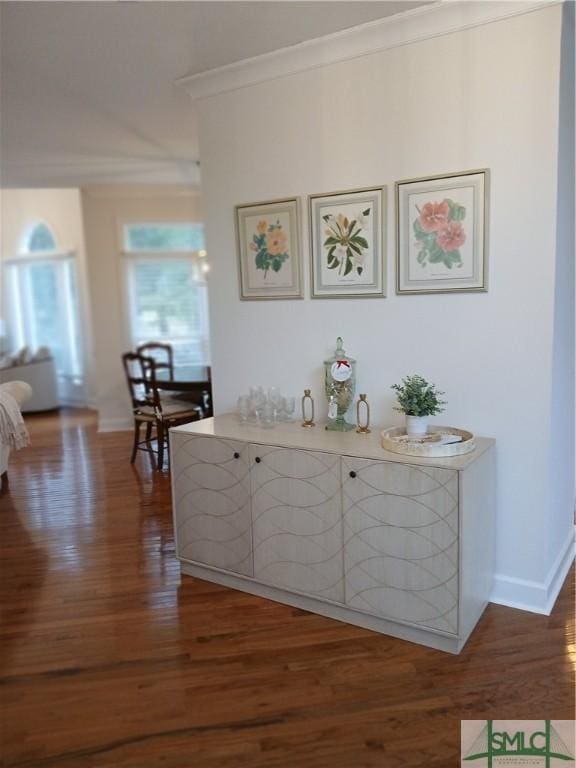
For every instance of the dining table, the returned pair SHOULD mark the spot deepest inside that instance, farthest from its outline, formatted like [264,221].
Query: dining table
[189,383]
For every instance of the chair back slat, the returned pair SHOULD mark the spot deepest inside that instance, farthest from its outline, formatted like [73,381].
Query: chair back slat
[136,370]
[149,367]
[162,354]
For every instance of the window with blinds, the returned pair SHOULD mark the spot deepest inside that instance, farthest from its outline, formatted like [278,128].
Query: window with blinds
[167,293]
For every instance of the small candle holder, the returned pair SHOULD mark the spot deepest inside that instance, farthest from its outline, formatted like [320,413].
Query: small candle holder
[307,405]
[362,423]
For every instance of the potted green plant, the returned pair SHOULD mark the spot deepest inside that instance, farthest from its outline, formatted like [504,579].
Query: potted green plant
[418,400]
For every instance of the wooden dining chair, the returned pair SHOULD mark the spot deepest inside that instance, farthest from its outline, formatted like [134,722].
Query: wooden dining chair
[142,406]
[162,354]
[148,407]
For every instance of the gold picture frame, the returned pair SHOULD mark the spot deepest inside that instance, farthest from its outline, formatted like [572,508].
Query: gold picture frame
[348,243]
[269,251]
[442,233]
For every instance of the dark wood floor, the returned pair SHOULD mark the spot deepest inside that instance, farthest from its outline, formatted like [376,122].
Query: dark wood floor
[111,659]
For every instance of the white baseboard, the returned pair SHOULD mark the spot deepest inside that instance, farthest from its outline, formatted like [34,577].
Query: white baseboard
[535,596]
[559,571]
[122,424]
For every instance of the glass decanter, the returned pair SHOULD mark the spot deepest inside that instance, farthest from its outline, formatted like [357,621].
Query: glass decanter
[340,383]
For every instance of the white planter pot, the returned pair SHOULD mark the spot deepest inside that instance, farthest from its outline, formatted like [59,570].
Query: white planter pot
[416,426]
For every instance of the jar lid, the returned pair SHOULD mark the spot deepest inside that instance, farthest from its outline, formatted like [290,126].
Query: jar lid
[339,354]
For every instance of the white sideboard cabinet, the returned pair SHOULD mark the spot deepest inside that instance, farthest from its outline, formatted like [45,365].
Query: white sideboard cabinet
[332,523]
[211,496]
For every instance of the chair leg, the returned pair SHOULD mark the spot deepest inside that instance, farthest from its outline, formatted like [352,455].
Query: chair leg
[149,426]
[136,440]
[160,438]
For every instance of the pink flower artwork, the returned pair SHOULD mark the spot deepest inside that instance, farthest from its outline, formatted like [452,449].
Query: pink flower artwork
[439,232]
[434,216]
[451,237]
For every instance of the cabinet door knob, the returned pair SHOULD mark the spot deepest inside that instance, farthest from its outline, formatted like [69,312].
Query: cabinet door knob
[352,474]
[257,459]
[236,455]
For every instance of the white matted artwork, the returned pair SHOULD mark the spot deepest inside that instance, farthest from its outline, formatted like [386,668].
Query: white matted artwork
[347,243]
[442,233]
[269,250]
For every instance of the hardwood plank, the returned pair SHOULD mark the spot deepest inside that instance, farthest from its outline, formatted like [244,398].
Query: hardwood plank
[110,658]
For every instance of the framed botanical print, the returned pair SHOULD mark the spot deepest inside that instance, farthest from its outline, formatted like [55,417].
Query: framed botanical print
[269,250]
[347,240]
[442,233]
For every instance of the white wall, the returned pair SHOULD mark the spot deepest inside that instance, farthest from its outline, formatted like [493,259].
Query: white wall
[562,405]
[483,97]
[61,210]
[105,208]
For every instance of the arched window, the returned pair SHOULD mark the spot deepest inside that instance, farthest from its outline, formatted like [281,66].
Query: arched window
[42,303]
[40,239]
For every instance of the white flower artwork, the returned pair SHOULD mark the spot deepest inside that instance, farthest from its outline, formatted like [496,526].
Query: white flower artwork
[348,243]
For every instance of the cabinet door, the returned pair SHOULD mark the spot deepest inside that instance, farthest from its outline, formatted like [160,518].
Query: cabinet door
[297,521]
[401,541]
[211,487]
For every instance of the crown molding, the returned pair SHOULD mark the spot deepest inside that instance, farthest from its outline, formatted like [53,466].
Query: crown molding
[424,23]
[73,172]
[141,191]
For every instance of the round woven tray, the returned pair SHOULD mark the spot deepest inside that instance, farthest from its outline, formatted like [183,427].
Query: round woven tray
[431,445]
